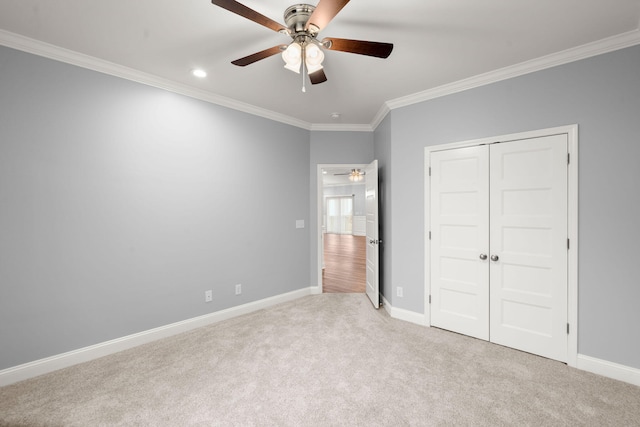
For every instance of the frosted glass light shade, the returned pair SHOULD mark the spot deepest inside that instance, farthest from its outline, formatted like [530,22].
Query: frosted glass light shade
[314,57]
[292,57]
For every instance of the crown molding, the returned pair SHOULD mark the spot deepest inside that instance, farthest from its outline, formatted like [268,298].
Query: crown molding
[57,53]
[588,50]
[328,127]
[379,117]
[50,51]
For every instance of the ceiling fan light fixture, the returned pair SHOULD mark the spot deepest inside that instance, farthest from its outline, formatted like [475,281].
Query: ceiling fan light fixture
[313,58]
[356,175]
[292,57]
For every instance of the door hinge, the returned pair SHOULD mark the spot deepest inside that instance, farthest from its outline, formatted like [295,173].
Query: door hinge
[429,235]
[429,299]
[429,170]
[568,158]
[567,329]
[568,244]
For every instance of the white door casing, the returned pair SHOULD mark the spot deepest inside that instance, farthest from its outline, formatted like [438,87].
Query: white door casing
[459,235]
[372,236]
[527,283]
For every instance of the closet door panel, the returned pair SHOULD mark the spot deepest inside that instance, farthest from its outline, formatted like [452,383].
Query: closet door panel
[459,229]
[528,240]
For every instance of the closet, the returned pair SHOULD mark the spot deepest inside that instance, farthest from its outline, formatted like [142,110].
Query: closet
[499,242]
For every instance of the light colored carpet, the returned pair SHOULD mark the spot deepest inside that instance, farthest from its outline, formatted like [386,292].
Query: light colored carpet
[321,360]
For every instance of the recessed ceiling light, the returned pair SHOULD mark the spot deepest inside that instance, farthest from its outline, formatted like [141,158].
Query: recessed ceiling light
[199,73]
[335,115]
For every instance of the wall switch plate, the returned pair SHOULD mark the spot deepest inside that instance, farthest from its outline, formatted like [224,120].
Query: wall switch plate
[399,291]
[299,223]
[238,289]
[208,296]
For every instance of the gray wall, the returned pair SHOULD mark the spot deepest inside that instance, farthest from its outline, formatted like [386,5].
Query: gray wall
[120,204]
[602,96]
[332,148]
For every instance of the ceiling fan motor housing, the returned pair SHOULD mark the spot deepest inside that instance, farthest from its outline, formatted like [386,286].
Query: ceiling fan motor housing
[296,18]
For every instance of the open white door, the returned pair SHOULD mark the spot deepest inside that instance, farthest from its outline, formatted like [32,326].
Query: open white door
[373,254]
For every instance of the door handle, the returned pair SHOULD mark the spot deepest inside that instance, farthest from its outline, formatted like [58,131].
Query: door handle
[494,258]
[483,256]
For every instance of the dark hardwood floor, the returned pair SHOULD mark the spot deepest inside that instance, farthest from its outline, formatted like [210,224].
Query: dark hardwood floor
[345,263]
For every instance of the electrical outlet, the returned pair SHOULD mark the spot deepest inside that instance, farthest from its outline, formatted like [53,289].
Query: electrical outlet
[208,296]
[399,291]
[238,289]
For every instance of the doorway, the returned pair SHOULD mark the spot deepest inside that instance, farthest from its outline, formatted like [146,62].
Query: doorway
[343,228]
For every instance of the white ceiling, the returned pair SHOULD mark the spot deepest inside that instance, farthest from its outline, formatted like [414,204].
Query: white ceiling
[436,43]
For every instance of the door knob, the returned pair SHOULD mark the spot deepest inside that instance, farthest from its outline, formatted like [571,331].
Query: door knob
[494,257]
[483,256]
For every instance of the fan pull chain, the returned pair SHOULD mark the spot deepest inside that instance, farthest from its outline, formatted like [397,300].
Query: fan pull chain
[304,68]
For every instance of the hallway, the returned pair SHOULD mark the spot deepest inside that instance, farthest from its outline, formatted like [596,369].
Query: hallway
[345,264]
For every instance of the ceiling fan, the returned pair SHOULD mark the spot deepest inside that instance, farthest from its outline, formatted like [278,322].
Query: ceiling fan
[305,54]
[354,175]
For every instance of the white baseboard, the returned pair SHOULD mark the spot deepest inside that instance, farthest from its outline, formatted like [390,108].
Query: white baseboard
[406,315]
[53,363]
[585,363]
[609,369]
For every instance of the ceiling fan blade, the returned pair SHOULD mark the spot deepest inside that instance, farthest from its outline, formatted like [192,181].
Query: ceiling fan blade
[377,49]
[325,11]
[259,55]
[353,172]
[246,12]
[317,77]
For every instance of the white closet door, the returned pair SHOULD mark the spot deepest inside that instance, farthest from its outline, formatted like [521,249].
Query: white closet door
[459,236]
[528,267]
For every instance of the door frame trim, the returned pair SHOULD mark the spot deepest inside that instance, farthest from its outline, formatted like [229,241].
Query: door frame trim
[319,211]
[572,221]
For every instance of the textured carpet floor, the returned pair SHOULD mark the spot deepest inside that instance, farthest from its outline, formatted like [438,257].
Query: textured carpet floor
[321,360]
